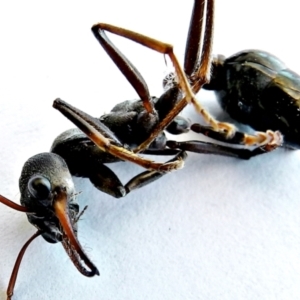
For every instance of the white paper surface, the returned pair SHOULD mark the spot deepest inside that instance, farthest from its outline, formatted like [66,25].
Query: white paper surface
[220,228]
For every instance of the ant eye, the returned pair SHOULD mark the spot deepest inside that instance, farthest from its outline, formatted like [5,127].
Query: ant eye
[39,187]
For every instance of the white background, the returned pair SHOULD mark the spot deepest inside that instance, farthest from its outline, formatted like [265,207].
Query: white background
[218,229]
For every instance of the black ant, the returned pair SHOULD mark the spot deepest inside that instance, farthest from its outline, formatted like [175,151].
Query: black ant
[47,192]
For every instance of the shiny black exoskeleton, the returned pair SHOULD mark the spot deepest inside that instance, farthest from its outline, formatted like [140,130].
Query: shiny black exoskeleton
[257,89]
[128,125]
[41,176]
[47,190]
[49,197]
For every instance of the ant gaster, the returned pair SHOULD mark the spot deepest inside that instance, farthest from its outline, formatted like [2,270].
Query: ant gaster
[257,89]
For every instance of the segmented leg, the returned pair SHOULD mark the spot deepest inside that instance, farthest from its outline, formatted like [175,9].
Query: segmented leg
[275,138]
[107,142]
[267,141]
[104,179]
[210,148]
[198,74]
[133,76]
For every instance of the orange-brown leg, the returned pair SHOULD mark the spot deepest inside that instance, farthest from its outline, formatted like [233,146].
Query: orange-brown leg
[107,142]
[198,72]
[127,69]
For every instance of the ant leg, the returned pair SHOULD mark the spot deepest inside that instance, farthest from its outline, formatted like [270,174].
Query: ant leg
[167,49]
[105,180]
[210,148]
[199,74]
[129,71]
[267,141]
[147,177]
[104,138]
[125,66]
[198,49]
